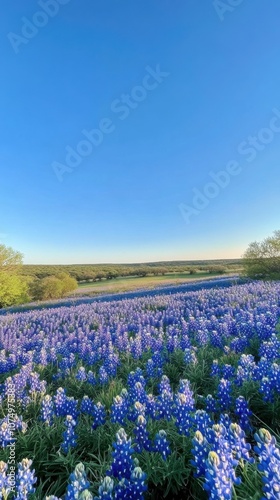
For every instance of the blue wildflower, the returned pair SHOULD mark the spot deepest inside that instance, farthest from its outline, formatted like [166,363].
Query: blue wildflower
[162,445]
[69,436]
[122,465]
[77,483]
[269,463]
[142,439]
[25,480]
[99,415]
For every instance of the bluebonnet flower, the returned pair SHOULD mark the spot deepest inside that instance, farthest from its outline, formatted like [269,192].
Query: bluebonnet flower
[164,385]
[43,357]
[91,378]
[270,349]
[151,406]
[78,483]
[270,384]
[162,445]
[138,409]
[185,341]
[243,413]
[122,465]
[85,495]
[211,404]
[121,490]
[157,358]
[119,410]
[67,363]
[99,415]
[269,463]
[182,414]
[219,477]
[111,363]
[81,375]
[52,497]
[266,389]
[151,368]
[247,362]
[36,385]
[6,434]
[199,452]
[18,424]
[228,371]
[216,436]
[71,407]
[105,490]
[137,393]
[47,410]
[103,376]
[165,405]
[137,486]
[25,480]
[190,356]
[262,369]
[239,344]
[224,394]
[60,402]
[202,421]
[154,366]
[135,377]
[86,405]
[142,439]
[185,388]
[241,376]
[69,436]
[225,420]
[4,481]
[240,448]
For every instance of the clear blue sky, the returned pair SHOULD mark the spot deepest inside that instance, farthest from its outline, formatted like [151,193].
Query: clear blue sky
[121,203]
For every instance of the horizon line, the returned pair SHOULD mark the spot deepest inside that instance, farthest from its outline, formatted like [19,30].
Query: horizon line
[136,263]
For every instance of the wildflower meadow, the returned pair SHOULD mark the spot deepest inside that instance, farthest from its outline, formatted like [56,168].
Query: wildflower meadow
[170,396]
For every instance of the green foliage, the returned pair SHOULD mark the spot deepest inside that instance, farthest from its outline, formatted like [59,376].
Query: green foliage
[10,260]
[13,289]
[13,286]
[53,287]
[69,284]
[216,269]
[262,259]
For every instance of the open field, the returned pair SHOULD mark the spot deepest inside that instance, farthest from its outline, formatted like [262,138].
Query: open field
[130,283]
[171,396]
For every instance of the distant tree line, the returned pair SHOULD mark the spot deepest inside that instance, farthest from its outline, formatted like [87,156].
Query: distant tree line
[88,272]
[23,283]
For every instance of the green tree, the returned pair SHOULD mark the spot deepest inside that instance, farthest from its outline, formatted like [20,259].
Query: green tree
[193,270]
[262,259]
[13,286]
[14,289]
[216,269]
[69,284]
[53,287]
[48,288]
